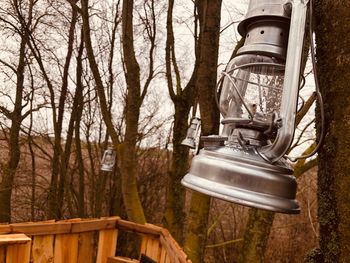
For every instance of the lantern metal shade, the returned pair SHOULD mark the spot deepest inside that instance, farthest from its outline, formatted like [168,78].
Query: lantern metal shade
[241,176]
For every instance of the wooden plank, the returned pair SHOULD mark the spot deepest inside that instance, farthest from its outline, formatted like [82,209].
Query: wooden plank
[168,241]
[154,249]
[155,228]
[70,220]
[2,253]
[18,253]
[14,239]
[107,244]
[66,248]
[167,259]
[94,225]
[148,249]
[121,260]
[163,255]
[42,249]
[167,247]
[133,227]
[76,225]
[165,233]
[5,228]
[50,228]
[86,248]
[144,241]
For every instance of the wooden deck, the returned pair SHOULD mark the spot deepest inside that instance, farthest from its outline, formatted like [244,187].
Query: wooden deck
[84,241]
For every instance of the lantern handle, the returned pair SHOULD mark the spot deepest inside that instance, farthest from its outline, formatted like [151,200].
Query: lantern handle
[318,93]
[302,85]
[302,103]
[275,151]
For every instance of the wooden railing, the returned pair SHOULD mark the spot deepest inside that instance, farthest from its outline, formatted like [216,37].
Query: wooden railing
[84,241]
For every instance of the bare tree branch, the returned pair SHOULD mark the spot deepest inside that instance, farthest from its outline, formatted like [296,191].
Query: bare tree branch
[301,114]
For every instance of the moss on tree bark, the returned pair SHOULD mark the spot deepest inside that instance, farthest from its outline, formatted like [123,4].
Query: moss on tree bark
[332,26]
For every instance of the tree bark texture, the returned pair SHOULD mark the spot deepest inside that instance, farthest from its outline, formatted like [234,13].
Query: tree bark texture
[209,12]
[256,235]
[127,150]
[175,200]
[77,113]
[332,27]
[9,169]
[183,100]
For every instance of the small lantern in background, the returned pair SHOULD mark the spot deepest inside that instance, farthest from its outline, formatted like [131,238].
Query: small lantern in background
[108,160]
[258,102]
[192,133]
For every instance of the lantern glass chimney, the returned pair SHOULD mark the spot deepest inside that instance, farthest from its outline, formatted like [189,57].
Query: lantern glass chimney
[252,90]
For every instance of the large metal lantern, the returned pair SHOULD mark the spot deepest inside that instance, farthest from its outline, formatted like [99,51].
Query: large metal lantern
[258,103]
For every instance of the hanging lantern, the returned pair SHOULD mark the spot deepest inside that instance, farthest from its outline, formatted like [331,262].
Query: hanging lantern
[108,160]
[192,133]
[258,103]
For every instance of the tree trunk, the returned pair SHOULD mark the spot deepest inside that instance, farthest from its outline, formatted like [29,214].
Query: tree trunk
[61,156]
[9,169]
[127,150]
[332,27]
[174,212]
[256,235]
[127,160]
[78,111]
[183,100]
[209,12]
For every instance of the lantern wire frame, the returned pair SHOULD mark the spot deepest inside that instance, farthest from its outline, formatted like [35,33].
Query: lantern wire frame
[317,88]
[302,85]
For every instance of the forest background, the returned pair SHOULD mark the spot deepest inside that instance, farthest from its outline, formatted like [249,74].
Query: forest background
[78,77]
